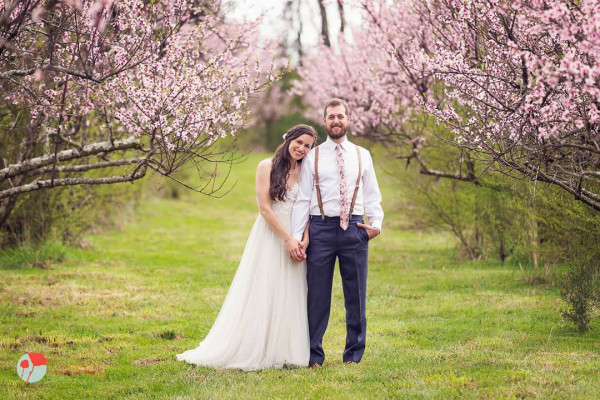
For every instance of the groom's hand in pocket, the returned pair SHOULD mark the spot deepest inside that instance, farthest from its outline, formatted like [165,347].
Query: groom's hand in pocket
[371,231]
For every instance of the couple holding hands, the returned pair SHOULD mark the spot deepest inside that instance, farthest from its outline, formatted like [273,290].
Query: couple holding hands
[311,201]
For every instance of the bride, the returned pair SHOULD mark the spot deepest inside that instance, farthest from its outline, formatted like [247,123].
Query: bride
[263,321]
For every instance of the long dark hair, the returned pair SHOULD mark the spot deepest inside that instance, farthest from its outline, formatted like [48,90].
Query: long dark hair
[281,160]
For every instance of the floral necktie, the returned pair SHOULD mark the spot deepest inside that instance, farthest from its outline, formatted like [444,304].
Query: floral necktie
[344,206]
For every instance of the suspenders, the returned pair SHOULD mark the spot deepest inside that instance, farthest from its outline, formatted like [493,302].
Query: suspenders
[319,200]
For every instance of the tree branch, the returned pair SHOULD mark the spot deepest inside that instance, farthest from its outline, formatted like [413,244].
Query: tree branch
[30,187]
[83,167]
[90,149]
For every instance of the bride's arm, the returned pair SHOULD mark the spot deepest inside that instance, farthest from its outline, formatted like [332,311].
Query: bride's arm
[305,238]
[263,183]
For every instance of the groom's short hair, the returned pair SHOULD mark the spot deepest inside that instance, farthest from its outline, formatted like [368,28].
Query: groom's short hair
[334,103]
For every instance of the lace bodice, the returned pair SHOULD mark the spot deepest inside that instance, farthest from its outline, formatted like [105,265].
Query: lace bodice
[290,198]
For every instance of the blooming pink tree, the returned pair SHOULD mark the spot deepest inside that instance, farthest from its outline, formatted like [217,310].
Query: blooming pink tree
[382,75]
[118,88]
[523,87]
[364,70]
[518,83]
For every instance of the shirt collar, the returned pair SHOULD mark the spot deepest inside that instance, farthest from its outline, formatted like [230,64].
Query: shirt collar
[346,145]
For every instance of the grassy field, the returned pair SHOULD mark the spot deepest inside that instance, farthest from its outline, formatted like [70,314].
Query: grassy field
[111,318]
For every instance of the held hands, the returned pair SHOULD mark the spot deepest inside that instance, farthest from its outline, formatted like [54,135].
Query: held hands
[296,249]
[304,242]
[371,231]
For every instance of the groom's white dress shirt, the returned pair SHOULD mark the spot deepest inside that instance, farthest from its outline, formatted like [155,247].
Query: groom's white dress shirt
[368,197]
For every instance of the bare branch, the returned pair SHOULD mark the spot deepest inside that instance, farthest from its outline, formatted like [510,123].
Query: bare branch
[83,167]
[30,187]
[65,155]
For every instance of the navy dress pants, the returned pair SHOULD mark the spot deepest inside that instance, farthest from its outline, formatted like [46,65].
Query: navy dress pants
[329,241]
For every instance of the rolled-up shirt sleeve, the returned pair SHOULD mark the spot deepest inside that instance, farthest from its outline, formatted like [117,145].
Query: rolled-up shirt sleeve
[372,195]
[301,209]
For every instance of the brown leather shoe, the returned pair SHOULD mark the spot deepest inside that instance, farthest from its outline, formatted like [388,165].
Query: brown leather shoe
[314,365]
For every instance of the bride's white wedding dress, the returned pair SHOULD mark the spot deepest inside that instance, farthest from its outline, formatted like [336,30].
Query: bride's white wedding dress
[263,321]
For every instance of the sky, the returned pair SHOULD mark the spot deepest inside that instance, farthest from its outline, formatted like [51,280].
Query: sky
[311,18]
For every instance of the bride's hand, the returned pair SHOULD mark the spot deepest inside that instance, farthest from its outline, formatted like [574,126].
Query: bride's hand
[293,247]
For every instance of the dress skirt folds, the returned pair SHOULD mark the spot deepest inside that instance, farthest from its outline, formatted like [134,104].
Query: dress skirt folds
[263,321]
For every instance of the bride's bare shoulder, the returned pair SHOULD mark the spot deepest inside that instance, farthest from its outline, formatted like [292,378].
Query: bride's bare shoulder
[267,163]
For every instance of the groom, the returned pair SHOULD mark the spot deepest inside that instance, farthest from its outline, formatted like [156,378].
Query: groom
[337,185]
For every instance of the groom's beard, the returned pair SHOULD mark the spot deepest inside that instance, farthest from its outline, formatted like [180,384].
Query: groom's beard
[339,135]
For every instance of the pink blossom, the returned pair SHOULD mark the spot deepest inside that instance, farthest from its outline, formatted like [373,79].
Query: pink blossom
[39,75]
[137,72]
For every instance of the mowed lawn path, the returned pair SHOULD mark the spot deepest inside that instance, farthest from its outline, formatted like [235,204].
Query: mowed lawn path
[110,319]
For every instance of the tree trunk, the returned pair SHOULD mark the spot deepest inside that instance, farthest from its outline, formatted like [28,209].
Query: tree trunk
[324,24]
[6,207]
[534,240]
[298,41]
[341,11]
[502,253]
[26,150]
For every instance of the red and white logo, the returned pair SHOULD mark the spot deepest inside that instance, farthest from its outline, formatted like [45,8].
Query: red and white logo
[32,367]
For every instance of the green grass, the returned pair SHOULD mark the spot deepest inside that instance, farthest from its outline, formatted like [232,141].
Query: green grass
[32,256]
[110,319]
